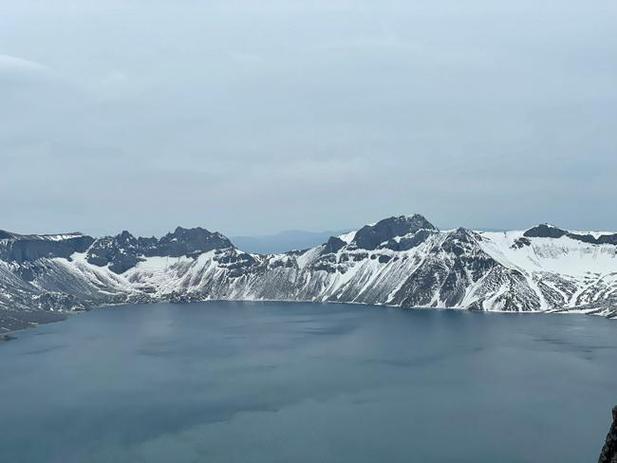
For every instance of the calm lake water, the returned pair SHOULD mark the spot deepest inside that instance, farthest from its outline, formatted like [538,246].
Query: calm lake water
[273,382]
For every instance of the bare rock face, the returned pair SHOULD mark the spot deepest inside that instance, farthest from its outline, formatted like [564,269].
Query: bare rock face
[371,236]
[124,251]
[609,452]
[18,249]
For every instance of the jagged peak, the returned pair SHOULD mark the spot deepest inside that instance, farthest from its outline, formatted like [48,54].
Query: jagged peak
[461,231]
[125,236]
[463,234]
[180,229]
[417,220]
[370,236]
[124,250]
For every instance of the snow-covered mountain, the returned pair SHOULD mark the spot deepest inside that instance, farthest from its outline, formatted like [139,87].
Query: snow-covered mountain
[399,261]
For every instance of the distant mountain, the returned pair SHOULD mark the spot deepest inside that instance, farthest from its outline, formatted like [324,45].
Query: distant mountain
[282,241]
[399,261]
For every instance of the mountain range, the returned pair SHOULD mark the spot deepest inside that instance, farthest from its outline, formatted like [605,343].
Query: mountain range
[400,261]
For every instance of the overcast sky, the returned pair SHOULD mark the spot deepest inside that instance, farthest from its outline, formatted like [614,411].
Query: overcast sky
[256,116]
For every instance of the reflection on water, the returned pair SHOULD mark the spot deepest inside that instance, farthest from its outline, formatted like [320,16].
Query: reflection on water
[274,382]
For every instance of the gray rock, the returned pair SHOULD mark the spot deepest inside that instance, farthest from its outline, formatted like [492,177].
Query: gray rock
[609,452]
[187,241]
[124,251]
[334,244]
[371,236]
[23,248]
[545,231]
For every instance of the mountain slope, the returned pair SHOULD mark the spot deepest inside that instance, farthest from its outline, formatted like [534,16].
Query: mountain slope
[399,261]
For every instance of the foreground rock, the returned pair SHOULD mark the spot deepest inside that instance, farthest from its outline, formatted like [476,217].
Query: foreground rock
[609,452]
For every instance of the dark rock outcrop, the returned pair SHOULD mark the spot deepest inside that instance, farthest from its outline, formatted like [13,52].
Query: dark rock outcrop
[121,252]
[521,242]
[609,452]
[416,239]
[545,231]
[590,239]
[187,241]
[334,244]
[124,251]
[371,236]
[24,248]
[548,231]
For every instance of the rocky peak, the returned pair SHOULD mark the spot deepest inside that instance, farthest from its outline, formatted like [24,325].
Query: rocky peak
[126,237]
[371,236]
[545,231]
[121,252]
[464,234]
[334,244]
[185,241]
[124,251]
[461,241]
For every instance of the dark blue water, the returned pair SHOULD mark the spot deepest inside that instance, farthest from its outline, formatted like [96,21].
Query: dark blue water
[271,382]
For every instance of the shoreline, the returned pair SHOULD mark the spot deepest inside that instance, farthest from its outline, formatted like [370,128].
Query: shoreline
[62,316]
[29,320]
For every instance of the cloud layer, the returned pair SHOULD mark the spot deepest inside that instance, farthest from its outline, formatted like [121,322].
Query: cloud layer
[251,117]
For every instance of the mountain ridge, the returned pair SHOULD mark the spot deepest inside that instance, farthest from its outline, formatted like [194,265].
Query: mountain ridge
[401,261]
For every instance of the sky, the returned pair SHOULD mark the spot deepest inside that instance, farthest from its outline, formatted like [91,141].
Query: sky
[250,117]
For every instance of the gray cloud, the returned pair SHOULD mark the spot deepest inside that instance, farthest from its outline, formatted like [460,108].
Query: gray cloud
[251,117]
